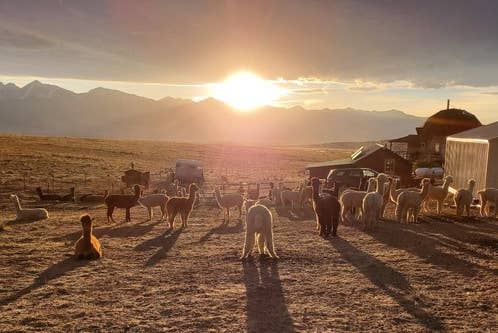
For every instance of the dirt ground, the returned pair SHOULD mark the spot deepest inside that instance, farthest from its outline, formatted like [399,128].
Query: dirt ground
[439,275]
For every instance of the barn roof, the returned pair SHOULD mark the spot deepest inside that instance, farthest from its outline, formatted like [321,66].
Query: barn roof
[358,155]
[486,132]
[411,139]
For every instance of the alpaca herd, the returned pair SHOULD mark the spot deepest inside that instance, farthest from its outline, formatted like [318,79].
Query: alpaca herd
[367,207]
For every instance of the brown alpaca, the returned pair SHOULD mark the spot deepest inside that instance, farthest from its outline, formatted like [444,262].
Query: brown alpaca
[181,205]
[88,246]
[327,209]
[47,197]
[125,201]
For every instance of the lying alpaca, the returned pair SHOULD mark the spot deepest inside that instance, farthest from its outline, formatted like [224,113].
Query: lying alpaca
[438,194]
[154,200]
[409,203]
[488,197]
[125,201]
[259,229]
[94,198]
[69,197]
[327,209]
[47,197]
[28,214]
[88,246]
[227,201]
[352,200]
[181,205]
[372,205]
[463,198]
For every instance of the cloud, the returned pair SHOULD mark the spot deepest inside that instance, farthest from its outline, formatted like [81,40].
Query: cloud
[490,92]
[23,40]
[309,91]
[363,88]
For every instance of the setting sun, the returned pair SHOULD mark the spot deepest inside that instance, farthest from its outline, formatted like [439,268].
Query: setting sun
[245,91]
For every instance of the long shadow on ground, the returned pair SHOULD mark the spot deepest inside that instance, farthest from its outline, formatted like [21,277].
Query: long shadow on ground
[164,242]
[53,272]
[392,282]
[223,229]
[416,240]
[266,309]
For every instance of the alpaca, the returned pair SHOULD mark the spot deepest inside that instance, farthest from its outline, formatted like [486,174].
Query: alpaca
[265,202]
[88,246]
[94,198]
[327,209]
[181,205]
[70,196]
[463,198]
[154,200]
[488,197]
[125,201]
[248,204]
[291,196]
[306,195]
[372,204]
[28,214]
[394,193]
[383,179]
[227,201]
[276,194]
[409,203]
[47,197]
[352,200]
[259,225]
[438,194]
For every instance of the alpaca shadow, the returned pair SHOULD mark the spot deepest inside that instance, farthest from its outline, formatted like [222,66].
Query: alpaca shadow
[266,308]
[53,272]
[223,229]
[389,280]
[409,239]
[165,242]
[296,214]
[117,231]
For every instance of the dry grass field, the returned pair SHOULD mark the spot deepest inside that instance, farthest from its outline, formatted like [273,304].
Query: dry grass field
[439,275]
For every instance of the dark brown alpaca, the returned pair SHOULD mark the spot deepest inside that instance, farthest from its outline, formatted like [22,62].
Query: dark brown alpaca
[327,209]
[125,201]
[88,246]
[181,205]
[47,197]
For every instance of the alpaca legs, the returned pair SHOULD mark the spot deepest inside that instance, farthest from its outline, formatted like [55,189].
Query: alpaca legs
[164,212]
[110,210]
[171,219]
[260,242]
[184,217]
[269,245]
[149,210]
[335,223]
[128,215]
[248,244]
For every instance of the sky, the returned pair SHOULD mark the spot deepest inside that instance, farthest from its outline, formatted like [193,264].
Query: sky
[372,55]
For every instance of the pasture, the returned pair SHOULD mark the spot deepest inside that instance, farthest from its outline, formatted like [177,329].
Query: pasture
[439,275]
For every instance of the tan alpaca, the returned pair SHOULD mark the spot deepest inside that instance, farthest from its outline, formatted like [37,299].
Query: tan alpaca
[438,194]
[227,201]
[409,203]
[88,246]
[181,205]
[488,197]
[463,198]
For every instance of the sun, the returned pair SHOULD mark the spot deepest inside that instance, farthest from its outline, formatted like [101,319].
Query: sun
[245,91]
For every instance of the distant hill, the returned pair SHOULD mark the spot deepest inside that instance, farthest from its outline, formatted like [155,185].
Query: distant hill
[42,109]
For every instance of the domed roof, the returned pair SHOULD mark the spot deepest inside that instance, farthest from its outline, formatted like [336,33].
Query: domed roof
[448,122]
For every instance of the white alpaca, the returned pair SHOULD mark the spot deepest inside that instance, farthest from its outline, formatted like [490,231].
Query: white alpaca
[409,203]
[463,198]
[259,230]
[227,201]
[488,196]
[438,194]
[154,200]
[293,197]
[382,180]
[372,205]
[394,192]
[352,200]
[28,214]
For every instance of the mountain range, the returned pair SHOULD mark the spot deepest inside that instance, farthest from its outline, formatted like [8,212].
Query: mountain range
[44,109]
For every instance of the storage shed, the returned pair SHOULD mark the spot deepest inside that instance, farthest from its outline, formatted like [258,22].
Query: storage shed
[473,154]
[376,157]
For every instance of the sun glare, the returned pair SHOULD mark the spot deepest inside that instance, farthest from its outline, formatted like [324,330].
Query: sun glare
[245,91]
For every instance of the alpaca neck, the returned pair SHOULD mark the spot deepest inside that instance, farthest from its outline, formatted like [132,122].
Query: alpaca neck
[217,196]
[315,192]
[17,204]
[446,185]
[393,186]
[87,235]
[191,197]
[425,191]
[370,186]
[471,187]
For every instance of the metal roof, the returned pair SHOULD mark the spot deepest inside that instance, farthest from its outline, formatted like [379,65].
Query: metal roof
[358,155]
[486,132]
